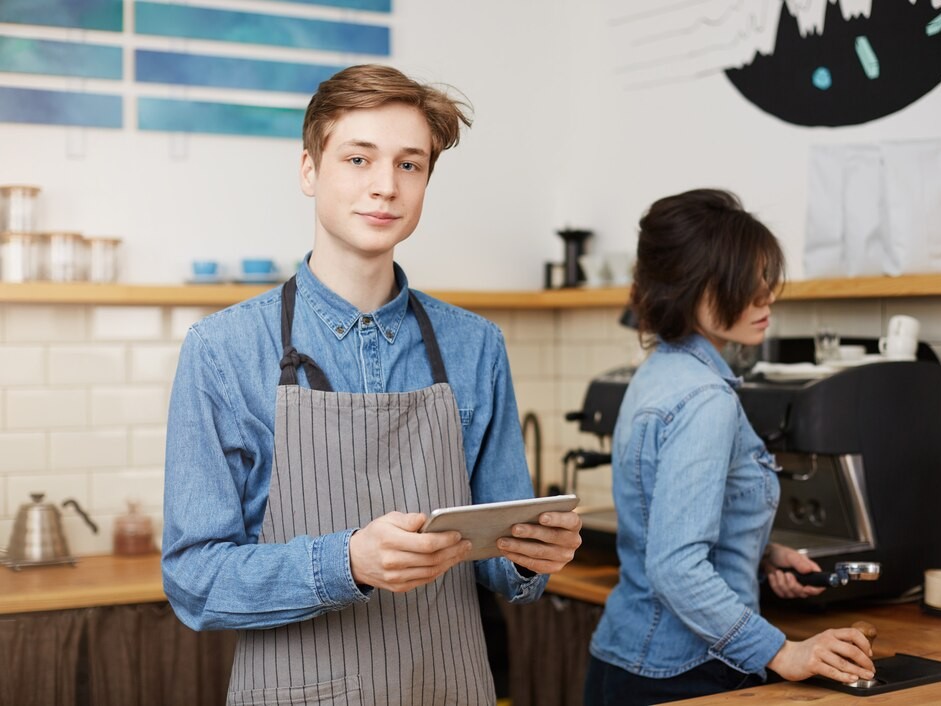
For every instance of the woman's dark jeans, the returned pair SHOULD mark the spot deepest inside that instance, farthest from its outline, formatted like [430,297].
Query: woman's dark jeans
[607,685]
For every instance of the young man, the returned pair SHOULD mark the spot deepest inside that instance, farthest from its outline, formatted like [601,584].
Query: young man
[293,501]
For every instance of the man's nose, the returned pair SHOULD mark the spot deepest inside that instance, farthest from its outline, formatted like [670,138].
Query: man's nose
[384,181]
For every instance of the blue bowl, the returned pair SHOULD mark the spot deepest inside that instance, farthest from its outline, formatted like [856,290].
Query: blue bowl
[258,266]
[205,268]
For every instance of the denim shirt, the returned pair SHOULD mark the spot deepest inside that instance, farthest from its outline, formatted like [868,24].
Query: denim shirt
[695,491]
[220,446]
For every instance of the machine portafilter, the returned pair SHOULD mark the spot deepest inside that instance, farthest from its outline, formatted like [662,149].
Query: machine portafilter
[843,572]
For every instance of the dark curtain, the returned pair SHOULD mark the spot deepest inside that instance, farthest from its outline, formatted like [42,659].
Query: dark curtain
[129,655]
[548,650]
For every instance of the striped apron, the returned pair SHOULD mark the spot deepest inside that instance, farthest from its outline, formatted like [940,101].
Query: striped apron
[341,460]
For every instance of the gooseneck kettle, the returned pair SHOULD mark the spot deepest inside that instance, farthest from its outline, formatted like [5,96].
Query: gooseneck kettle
[38,538]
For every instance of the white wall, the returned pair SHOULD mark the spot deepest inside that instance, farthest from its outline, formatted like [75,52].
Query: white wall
[557,141]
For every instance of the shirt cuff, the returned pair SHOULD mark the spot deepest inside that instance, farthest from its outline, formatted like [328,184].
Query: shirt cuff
[528,585]
[750,644]
[333,579]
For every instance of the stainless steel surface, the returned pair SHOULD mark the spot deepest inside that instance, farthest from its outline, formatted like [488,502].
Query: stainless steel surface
[864,683]
[38,538]
[816,545]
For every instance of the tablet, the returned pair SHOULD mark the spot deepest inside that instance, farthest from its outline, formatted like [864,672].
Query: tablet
[484,524]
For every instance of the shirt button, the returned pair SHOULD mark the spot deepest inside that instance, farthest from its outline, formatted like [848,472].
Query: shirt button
[367,320]
[389,334]
[339,329]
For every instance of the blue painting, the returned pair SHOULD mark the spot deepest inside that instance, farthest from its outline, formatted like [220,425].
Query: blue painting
[107,15]
[29,105]
[43,56]
[229,63]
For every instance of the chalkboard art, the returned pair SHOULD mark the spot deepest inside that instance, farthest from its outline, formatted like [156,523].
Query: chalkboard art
[857,70]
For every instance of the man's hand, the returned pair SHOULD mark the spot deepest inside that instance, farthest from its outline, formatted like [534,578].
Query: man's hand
[389,552]
[547,547]
[783,583]
[842,655]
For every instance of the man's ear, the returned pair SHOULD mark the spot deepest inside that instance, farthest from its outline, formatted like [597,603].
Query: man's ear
[308,174]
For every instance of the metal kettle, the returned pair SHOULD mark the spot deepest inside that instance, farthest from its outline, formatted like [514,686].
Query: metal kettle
[38,538]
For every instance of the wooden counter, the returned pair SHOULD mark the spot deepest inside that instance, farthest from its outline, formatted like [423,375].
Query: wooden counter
[221,295]
[93,581]
[902,628]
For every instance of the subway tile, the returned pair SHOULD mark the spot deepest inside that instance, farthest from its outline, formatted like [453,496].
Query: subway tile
[55,487]
[534,394]
[111,491]
[534,326]
[127,323]
[86,364]
[22,452]
[182,317]
[850,318]
[148,446]
[129,404]
[37,323]
[791,319]
[22,365]
[46,409]
[575,360]
[3,507]
[606,356]
[531,360]
[82,540]
[584,325]
[91,449]
[154,363]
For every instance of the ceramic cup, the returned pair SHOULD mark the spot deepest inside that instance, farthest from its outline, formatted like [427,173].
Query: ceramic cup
[852,352]
[205,268]
[933,588]
[258,266]
[901,339]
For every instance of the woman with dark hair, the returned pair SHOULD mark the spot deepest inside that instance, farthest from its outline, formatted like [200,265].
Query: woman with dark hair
[694,487]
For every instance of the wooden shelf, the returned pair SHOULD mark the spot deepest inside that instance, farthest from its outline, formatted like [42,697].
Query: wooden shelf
[221,295]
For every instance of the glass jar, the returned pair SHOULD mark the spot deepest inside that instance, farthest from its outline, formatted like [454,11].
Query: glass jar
[133,532]
[102,259]
[18,208]
[16,257]
[67,257]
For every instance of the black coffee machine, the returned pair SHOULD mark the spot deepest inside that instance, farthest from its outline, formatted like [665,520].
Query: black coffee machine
[860,457]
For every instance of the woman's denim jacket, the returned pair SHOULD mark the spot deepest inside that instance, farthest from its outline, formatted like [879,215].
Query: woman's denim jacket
[695,491]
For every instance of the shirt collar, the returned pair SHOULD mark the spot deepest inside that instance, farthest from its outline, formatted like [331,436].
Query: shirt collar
[701,349]
[340,316]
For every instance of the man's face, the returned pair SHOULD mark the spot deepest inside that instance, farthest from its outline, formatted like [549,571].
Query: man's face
[371,182]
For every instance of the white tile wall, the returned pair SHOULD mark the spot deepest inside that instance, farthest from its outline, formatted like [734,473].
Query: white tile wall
[154,362]
[129,404]
[93,449]
[37,322]
[46,408]
[86,364]
[148,446]
[84,393]
[22,365]
[25,451]
[127,323]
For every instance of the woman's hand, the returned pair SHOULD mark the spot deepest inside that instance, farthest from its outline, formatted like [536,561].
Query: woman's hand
[842,655]
[783,583]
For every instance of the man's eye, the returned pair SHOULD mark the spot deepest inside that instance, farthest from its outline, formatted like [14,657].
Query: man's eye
[409,166]
[357,161]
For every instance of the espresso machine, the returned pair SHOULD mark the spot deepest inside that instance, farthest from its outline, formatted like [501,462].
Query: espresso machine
[860,467]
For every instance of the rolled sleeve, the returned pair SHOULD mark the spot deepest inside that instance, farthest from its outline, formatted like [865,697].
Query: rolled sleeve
[750,645]
[333,578]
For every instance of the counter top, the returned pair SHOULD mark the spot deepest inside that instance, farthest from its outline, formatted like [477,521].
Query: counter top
[93,581]
[902,628]
[221,295]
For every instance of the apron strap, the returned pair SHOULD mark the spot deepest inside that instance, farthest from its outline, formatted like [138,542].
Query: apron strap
[438,372]
[291,359]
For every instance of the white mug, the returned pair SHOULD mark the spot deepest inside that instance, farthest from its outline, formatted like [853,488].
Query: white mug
[901,339]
